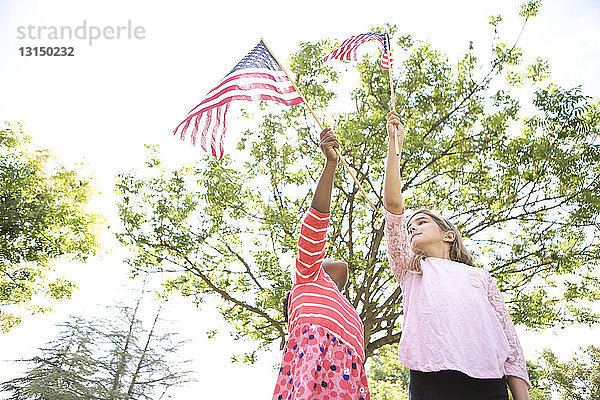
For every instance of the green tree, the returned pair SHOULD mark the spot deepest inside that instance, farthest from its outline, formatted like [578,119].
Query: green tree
[62,372]
[42,217]
[112,358]
[388,380]
[576,379]
[539,389]
[509,156]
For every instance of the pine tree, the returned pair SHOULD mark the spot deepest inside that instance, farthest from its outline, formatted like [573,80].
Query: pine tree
[112,358]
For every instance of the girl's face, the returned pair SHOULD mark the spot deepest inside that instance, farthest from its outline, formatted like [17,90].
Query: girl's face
[426,235]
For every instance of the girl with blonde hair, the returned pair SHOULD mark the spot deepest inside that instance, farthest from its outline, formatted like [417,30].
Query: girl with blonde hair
[457,338]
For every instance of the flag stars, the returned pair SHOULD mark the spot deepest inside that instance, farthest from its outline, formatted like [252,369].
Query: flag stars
[242,83]
[259,57]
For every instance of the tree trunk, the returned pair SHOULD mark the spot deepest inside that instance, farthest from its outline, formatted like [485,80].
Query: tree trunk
[142,357]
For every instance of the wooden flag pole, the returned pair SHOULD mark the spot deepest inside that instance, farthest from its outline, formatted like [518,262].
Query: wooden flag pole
[321,126]
[392,94]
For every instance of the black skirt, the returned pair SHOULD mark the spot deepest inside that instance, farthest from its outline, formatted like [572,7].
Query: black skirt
[454,385]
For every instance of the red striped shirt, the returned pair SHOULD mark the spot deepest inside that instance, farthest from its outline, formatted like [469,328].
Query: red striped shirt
[315,298]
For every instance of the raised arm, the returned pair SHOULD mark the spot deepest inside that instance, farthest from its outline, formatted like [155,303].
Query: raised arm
[399,252]
[313,232]
[322,197]
[392,188]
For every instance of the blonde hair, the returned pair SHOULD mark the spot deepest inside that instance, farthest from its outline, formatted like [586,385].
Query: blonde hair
[458,251]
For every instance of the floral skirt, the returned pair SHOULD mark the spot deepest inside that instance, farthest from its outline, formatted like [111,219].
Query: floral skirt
[317,365]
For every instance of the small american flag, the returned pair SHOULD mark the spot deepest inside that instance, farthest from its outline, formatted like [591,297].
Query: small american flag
[257,77]
[348,48]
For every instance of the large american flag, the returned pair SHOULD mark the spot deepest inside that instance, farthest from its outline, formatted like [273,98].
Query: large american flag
[348,48]
[257,77]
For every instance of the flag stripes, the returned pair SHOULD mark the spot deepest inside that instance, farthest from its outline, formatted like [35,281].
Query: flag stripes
[347,51]
[256,77]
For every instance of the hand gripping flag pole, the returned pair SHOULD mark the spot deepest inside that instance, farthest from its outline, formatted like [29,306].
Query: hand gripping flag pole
[321,126]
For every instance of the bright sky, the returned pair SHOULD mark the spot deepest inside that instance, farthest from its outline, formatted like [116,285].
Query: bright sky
[113,96]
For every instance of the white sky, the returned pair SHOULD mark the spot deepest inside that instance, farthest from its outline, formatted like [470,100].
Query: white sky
[103,104]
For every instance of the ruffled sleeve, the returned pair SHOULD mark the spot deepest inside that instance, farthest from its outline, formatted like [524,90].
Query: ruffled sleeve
[399,252]
[515,363]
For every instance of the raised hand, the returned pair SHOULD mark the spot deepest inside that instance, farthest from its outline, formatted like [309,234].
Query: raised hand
[394,126]
[392,188]
[322,197]
[328,145]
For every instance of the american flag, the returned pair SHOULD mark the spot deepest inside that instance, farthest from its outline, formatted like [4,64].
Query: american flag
[348,48]
[257,77]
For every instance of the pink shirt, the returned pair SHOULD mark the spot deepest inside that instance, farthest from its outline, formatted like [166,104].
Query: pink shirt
[454,315]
